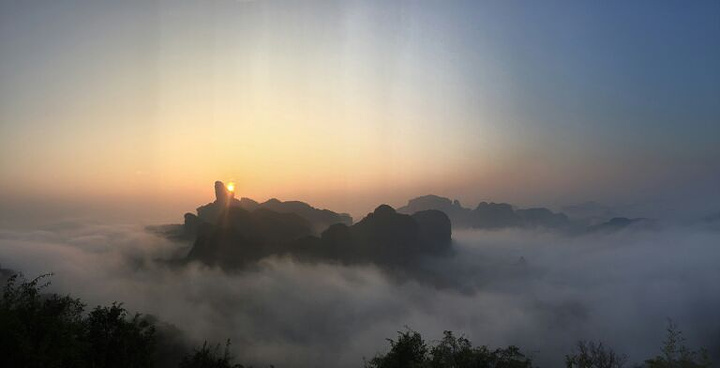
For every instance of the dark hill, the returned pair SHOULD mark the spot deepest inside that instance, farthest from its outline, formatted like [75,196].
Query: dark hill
[241,236]
[488,215]
[318,219]
[384,237]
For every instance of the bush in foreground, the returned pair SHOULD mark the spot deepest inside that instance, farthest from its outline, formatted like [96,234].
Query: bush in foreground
[411,351]
[48,330]
[205,357]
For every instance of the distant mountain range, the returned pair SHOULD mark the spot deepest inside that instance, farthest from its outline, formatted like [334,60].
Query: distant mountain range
[297,219]
[320,219]
[234,233]
[489,215]
[384,237]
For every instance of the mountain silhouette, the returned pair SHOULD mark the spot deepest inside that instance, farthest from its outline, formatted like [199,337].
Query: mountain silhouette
[240,237]
[488,215]
[384,237]
[234,233]
[318,219]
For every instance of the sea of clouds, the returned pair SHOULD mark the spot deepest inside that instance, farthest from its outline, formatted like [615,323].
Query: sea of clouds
[538,290]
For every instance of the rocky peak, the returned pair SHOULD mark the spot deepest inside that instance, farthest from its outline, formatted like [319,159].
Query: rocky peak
[222,194]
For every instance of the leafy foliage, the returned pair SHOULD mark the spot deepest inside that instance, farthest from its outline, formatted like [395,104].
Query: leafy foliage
[206,357]
[51,331]
[676,355]
[45,330]
[38,330]
[410,351]
[115,340]
[589,354]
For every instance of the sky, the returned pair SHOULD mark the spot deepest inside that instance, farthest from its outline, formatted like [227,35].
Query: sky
[137,107]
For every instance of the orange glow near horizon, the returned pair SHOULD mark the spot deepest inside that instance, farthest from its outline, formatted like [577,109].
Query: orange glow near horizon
[341,109]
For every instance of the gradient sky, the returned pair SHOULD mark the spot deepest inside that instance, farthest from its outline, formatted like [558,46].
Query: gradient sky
[142,105]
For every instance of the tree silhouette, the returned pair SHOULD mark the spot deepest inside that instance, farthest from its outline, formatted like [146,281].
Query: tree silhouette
[205,357]
[37,330]
[676,355]
[589,354]
[410,351]
[115,340]
[46,330]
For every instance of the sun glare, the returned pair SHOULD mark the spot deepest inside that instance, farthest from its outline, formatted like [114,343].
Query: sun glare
[231,187]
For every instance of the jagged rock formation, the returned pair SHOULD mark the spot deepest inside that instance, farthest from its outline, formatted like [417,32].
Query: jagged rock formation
[223,199]
[435,229]
[488,215]
[241,236]
[460,216]
[319,219]
[233,233]
[384,237]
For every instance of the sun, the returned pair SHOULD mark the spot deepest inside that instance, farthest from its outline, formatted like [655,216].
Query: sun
[231,187]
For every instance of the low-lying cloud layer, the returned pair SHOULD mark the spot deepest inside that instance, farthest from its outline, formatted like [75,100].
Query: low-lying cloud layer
[537,290]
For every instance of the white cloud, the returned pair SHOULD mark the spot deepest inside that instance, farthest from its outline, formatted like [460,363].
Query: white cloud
[619,288]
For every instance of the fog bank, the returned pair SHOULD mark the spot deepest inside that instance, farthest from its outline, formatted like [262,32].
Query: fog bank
[537,290]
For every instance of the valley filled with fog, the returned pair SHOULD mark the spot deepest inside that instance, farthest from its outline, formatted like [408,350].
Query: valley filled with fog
[534,288]
[376,184]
